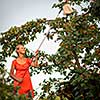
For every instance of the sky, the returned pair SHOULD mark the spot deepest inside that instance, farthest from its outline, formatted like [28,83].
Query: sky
[17,13]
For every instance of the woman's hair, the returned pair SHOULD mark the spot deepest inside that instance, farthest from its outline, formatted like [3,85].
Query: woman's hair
[17,48]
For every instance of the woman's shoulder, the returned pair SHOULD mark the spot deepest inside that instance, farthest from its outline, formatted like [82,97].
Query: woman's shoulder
[14,62]
[29,60]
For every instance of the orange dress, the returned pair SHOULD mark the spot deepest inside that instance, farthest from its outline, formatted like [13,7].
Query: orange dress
[22,71]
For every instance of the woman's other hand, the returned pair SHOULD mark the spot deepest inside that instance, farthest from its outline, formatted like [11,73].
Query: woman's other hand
[20,80]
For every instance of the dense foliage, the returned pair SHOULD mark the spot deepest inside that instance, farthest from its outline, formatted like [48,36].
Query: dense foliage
[79,51]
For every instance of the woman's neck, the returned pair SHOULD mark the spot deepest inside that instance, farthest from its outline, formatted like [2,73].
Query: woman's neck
[21,56]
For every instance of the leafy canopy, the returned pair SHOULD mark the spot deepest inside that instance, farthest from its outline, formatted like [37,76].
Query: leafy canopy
[79,51]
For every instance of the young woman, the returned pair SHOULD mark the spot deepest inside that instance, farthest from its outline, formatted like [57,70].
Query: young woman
[22,75]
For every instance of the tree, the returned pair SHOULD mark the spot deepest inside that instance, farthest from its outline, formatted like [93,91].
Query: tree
[79,51]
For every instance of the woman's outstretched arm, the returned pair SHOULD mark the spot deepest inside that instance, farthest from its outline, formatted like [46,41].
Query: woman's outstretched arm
[35,62]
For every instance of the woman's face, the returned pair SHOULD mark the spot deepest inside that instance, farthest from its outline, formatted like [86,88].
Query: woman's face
[20,49]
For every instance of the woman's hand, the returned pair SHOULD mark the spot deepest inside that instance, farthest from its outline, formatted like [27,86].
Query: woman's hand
[36,52]
[35,59]
[20,80]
